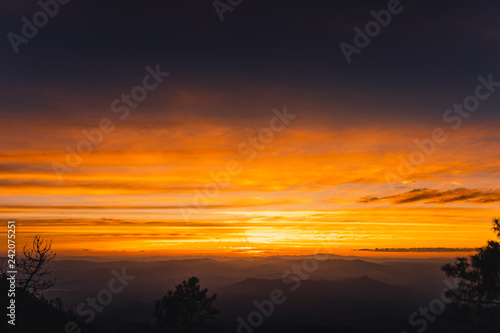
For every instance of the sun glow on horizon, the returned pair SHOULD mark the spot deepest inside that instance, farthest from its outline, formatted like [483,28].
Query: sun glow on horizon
[314,189]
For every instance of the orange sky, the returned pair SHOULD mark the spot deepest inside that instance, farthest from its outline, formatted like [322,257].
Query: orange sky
[312,186]
[334,177]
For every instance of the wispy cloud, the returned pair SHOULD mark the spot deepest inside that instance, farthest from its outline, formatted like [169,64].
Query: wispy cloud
[431,196]
[422,249]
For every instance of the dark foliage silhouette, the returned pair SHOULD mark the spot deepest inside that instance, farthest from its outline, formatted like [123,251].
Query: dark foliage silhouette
[33,312]
[477,299]
[185,309]
[38,314]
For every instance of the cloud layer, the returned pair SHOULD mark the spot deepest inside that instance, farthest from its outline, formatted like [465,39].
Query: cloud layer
[430,196]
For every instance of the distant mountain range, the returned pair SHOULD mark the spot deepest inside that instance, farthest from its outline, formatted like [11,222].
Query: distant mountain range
[339,295]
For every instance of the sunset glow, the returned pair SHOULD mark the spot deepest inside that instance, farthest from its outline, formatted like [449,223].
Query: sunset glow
[186,143]
[310,188]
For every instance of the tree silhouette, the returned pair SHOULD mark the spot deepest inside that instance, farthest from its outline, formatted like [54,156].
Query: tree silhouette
[34,275]
[185,309]
[35,313]
[477,298]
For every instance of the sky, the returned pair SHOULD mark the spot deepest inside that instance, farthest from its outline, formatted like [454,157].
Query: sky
[253,135]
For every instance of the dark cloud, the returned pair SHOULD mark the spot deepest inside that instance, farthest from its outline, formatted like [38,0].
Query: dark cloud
[422,249]
[287,47]
[439,197]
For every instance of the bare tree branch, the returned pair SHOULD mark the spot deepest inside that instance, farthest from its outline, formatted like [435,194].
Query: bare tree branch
[34,275]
